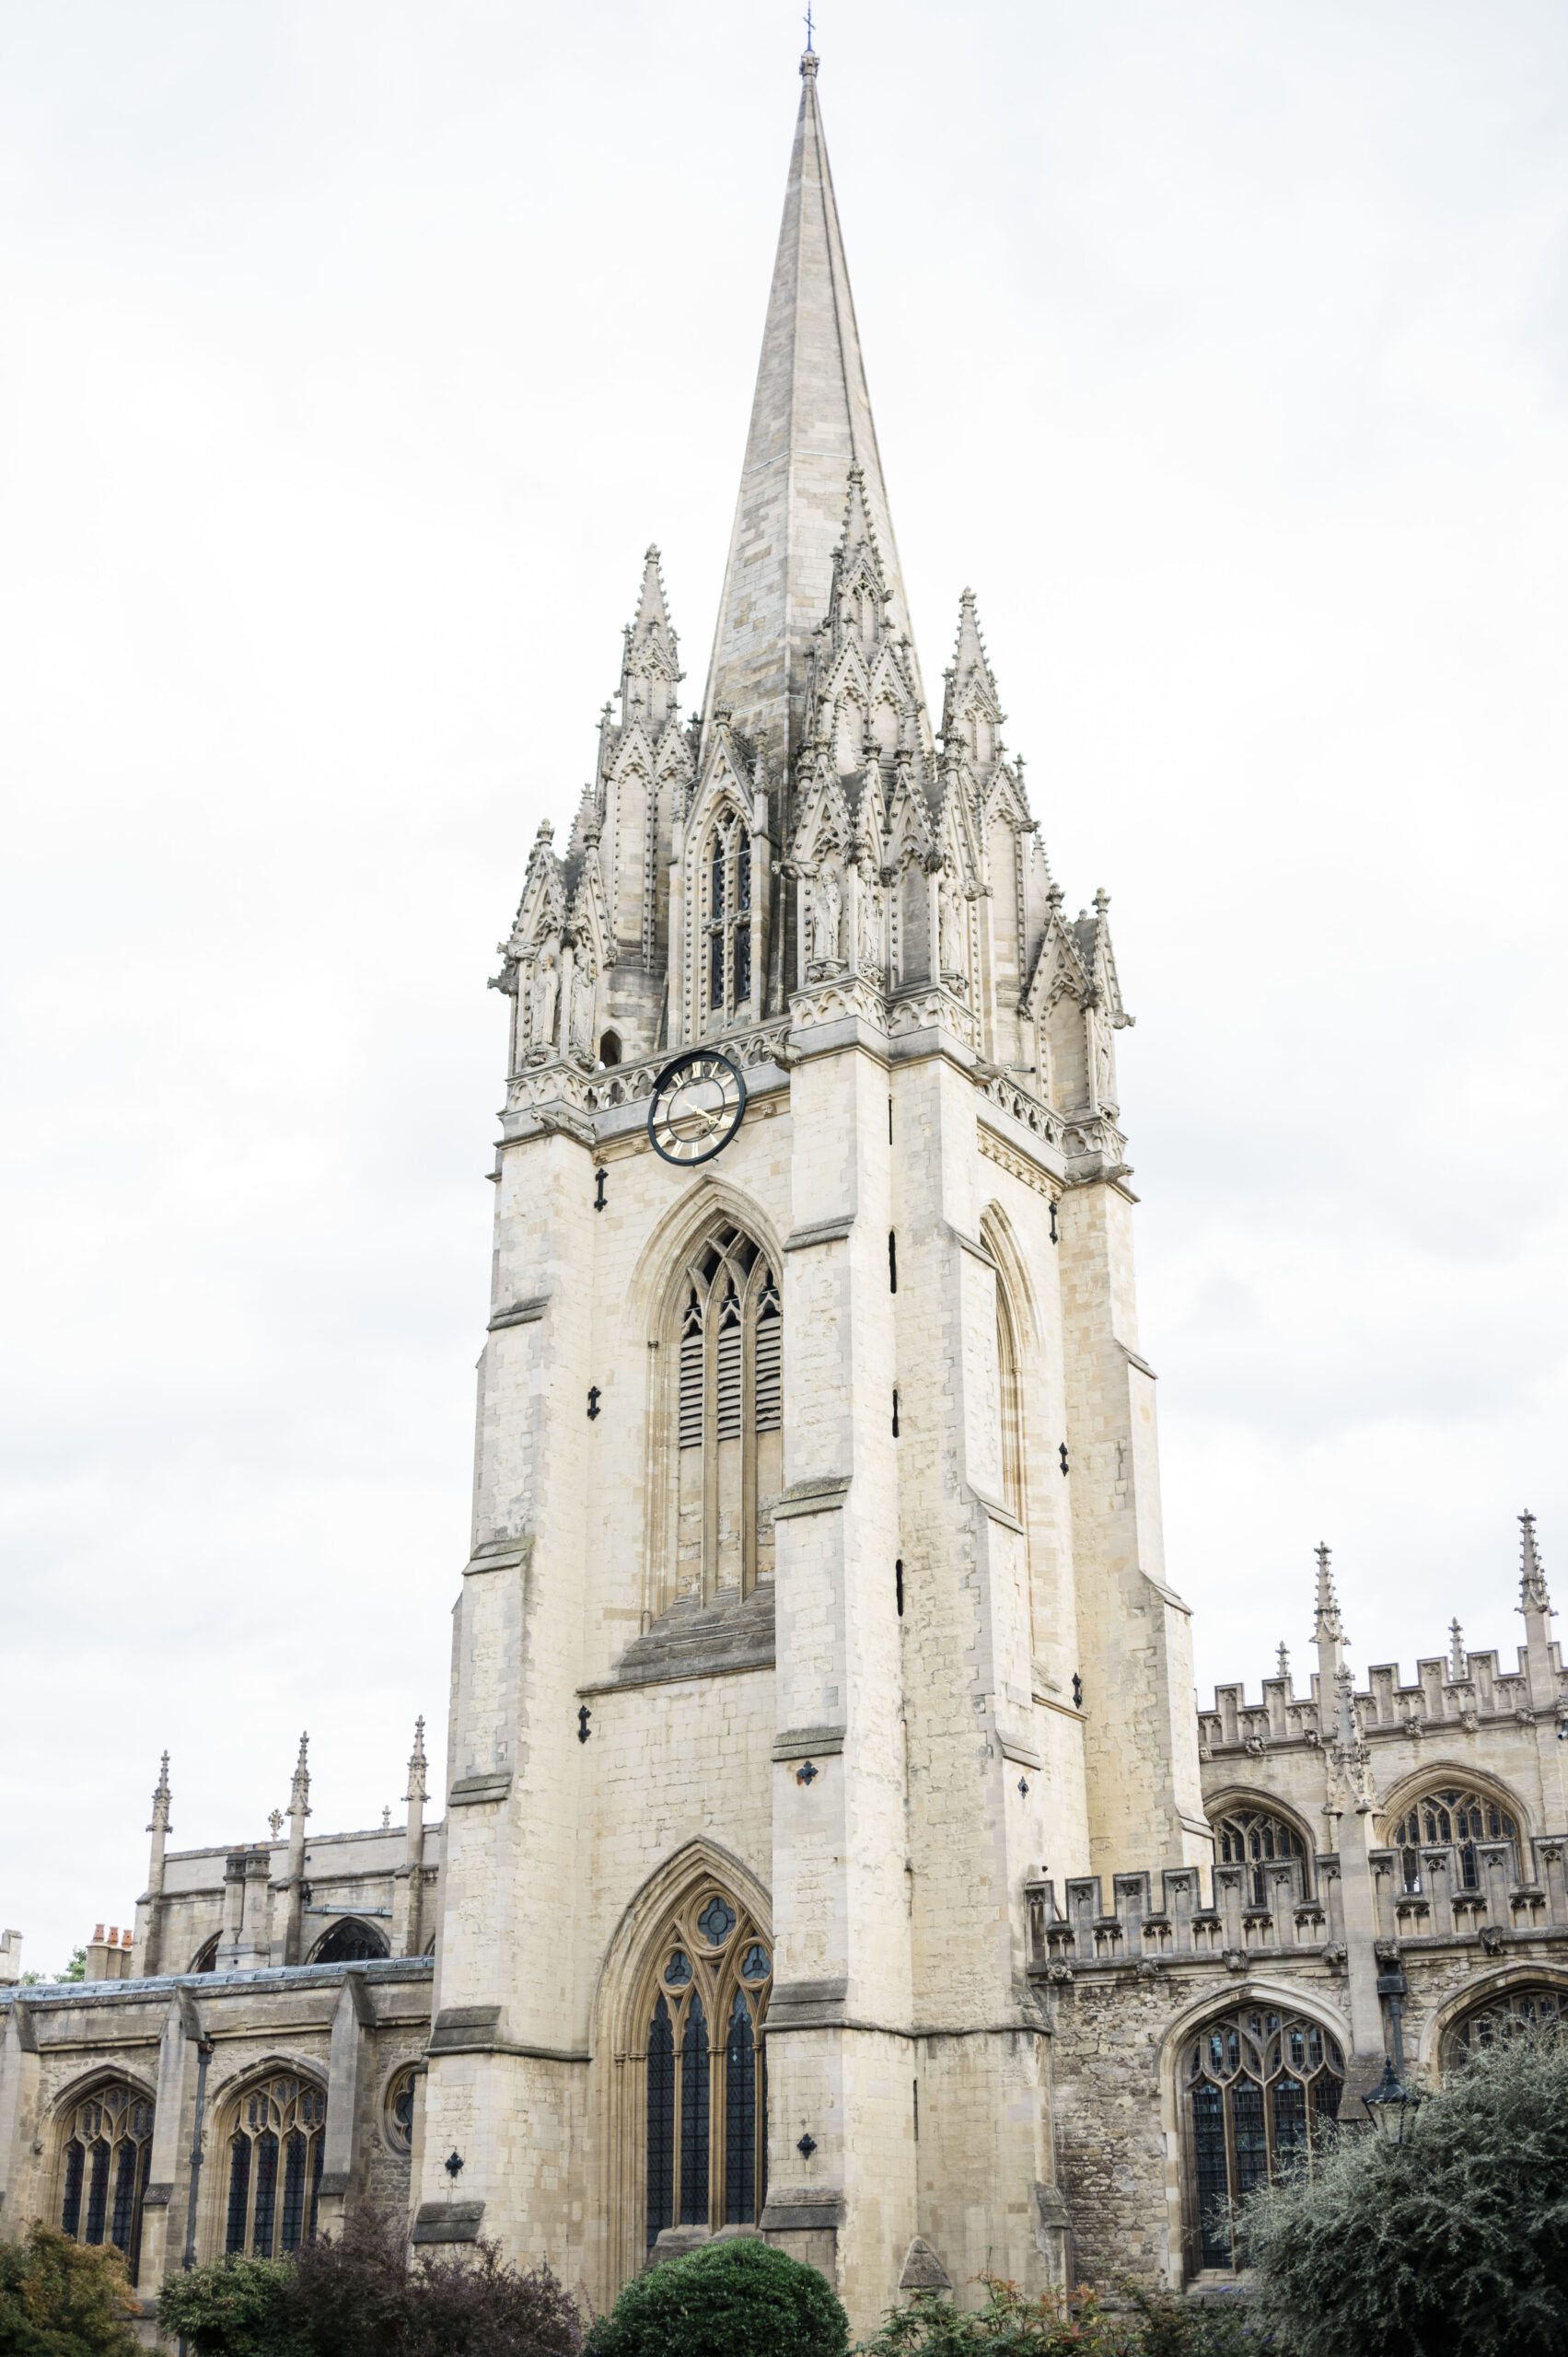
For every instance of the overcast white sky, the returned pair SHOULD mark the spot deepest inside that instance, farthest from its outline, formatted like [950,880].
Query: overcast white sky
[354,354]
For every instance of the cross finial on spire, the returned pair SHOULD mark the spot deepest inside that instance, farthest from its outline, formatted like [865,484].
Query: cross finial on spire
[809,28]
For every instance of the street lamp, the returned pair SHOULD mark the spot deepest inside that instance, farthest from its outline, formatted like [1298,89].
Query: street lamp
[1391,2105]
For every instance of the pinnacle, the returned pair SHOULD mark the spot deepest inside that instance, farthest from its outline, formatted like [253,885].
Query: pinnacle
[1328,1629]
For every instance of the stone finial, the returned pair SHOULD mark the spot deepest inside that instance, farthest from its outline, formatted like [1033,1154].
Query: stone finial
[1328,1630]
[1283,1670]
[162,1797]
[809,64]
[276,1821]
[299,1792]
[386,1817]
[1533,1597]
[417,1766]
[1457,1665]
[1102,900]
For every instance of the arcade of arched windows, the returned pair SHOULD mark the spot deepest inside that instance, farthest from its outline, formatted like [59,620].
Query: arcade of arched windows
[718,1430]
[728,947]
[106,2155]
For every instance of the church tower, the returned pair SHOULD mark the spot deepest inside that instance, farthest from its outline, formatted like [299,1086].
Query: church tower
[816,1605]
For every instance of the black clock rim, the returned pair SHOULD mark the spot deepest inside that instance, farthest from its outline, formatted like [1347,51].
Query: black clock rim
[671,1070]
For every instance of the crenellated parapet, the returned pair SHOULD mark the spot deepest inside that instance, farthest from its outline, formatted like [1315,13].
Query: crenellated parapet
[1436,1898]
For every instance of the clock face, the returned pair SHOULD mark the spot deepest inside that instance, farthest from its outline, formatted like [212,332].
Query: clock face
[698,1102]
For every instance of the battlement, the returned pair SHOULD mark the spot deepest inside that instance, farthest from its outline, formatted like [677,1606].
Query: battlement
[1434,1896]
[1437,1699]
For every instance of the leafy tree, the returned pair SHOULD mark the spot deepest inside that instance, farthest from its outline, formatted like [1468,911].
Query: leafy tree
[357,2296]
[729,2299]
[58,2299]
[1454,2244]
[242,2308]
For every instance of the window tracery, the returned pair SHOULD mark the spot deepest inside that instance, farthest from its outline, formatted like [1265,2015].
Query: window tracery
[1456,1818]
[276,2138]
[106,2159]
[705,2126]
[1510,2013]
[398,2107]
[728,1414]
[1259,2089]
[1256,1839]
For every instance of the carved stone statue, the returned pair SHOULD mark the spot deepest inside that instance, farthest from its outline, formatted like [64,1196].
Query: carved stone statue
[582,1006]
[827,910]
[870,950]
[546,984]
[952,930]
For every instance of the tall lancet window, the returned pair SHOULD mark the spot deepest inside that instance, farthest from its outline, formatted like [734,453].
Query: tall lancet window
[729,1415]
[726,983]
[705,2145]
[1010,1402]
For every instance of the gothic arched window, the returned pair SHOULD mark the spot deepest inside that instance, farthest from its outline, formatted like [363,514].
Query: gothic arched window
[1512,2014]
[1452,1818]
[277,2136]
[107,2152]
[1257,2090]
[728,1414]
[726,922]
[1254,1839]
[706,2139]
[348,1942]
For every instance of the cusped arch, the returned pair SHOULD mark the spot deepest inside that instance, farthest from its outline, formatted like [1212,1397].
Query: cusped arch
[1438,1775]
[350,1939]
[651,1907]
[657,1275]
[93,2081]
[1473,1996]
[1240,1803]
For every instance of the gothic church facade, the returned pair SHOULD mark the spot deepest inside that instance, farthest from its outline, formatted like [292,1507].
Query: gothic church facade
[832,1849]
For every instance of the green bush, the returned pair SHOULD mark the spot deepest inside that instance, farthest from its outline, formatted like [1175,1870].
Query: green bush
[60,2300]
[241,2307]
[1452,2245]
[1147,2324]
[729,2299]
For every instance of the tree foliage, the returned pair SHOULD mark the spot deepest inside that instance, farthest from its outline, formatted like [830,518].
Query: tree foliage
[357,2296]
[1452,2245]
[1007,2324]
[58,2299]
[729,2299]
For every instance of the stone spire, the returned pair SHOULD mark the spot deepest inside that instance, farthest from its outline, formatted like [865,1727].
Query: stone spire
[1328,1632]
[288,1947]
[971,693]
[650,667]
[1536,1606]
[810,424]
[150,1925]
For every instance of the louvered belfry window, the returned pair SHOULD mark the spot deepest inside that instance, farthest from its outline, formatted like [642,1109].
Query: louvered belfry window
[729,1414]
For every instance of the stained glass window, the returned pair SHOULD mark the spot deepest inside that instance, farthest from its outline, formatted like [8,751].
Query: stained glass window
[108,2140]
[716,1922]
[278,2133]
[695,2123]
[706,2084]
[1258,2088]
